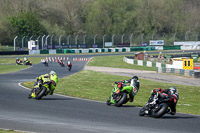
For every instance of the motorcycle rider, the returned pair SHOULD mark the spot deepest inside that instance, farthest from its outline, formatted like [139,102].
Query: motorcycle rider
[69,64]
[44,62]
[134,84]
[51,79]
[26,61]
[59,61]
[171,94]
[18,61]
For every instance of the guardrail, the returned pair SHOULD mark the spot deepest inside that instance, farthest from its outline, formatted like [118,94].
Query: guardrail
[161,68]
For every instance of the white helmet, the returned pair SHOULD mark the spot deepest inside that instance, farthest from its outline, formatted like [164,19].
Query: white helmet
[52,73]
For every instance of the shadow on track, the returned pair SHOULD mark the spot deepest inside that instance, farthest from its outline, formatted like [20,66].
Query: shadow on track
[128,106]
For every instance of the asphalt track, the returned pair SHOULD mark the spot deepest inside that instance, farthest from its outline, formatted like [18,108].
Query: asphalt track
[61,114]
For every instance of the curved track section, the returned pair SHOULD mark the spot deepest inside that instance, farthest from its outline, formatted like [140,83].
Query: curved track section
[66,114]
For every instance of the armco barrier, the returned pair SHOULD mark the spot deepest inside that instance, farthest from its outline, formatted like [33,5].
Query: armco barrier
[171,47]
[31,52]
[14,52]
[161,68]
[52,51]
[44,51]
[59,51]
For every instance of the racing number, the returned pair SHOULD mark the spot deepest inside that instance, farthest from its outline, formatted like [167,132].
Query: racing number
[188,64]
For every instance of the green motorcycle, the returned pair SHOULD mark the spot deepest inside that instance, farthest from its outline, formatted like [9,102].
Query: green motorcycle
[40,89]
[119,96]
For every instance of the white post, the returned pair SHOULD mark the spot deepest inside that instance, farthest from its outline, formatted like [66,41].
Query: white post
[84,39]
[51,39]
[15,42]
[122,38]
[186,35]
[95,39]
[38,41]
[103,39]
[142,38]
[46,40]
[42,41]
[131,38]
[68,37]
[113,39]
[30,37]
[23,42]
[76,39]
[60,40]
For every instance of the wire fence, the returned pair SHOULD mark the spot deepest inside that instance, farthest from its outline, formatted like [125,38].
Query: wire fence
[97,40]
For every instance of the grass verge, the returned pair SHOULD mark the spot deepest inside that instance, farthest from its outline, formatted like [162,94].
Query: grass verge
[8,64]
[8,131]
[11,68]
[116,62]
[97,86]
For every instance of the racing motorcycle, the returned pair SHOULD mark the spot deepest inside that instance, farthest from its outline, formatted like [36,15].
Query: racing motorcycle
[27,63]
[40,89]
[118,97]
[156,107]
[61,63]
[69,65]
[19,62]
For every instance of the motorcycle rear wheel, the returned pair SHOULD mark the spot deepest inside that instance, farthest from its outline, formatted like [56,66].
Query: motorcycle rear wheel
[161,111]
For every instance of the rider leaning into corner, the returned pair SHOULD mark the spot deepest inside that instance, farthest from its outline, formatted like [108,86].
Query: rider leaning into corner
[18,61]
[52,80]
[171,93]
[69,64]
[134,84]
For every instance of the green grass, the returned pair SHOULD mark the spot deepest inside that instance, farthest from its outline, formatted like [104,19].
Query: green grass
[97,86]
[11,68]
[9,65]
[116,62]
[8,131]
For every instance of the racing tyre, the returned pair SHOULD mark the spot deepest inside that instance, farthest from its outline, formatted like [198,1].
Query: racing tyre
[122,99]
[142,113]
[161,111]
[41,93]
[108,102]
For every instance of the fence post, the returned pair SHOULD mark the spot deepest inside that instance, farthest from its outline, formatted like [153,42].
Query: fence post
[15,42]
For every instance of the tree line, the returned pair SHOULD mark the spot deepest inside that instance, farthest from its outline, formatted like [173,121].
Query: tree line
[146,18]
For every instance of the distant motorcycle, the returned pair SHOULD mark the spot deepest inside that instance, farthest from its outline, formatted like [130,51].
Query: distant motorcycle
[69,65]
[27,63]
[45,63]
[61,63]
[156,108]
[19,62]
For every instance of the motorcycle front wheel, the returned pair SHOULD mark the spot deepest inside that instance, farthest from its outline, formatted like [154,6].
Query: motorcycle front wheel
[108,102]
[121,99]
[142,113]
[41,93]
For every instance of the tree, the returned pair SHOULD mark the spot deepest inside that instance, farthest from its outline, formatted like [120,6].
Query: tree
[27,24]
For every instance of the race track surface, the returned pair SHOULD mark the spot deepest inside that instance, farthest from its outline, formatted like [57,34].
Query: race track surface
[61,114]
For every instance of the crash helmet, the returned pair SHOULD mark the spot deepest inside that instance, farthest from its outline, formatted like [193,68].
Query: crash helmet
[135,78]
[173,90]
[17,58]
[25,58]
[52,73]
